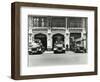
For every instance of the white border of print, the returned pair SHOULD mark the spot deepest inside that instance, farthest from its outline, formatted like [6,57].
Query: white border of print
[25,70]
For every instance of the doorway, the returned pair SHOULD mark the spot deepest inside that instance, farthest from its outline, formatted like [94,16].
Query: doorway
[43,39]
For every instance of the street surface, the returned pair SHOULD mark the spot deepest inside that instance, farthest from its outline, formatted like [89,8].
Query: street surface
[48,58]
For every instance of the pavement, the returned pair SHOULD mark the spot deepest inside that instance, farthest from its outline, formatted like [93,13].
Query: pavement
[51,52]
[48,58]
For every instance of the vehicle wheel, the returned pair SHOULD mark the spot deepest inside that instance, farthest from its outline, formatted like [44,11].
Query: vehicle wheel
[30,53]
[63,51]
[55,52]
[40,52]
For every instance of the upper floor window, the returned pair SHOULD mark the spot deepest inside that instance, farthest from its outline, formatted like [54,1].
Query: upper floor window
[47,21]
[58,22]
[74,22]
[39,22]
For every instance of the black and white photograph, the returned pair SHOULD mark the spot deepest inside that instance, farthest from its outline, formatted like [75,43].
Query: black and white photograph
[50,40]
[57,40]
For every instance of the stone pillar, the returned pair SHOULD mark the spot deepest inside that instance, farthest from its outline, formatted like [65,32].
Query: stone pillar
[49,40]
[67,40]
[83,34]
[67,37]
[42,22]
[30,35]
[85,41]
[30,22]
[30,26]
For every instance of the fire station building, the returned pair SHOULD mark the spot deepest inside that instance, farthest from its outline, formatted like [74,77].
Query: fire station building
[49,28]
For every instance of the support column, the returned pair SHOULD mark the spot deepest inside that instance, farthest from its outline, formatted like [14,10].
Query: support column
[30,22]
[83,34]
[67,36]
[67,40]
[49,40]
[30,35]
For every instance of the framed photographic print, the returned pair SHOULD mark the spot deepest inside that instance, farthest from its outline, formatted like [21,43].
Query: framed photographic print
[53,40]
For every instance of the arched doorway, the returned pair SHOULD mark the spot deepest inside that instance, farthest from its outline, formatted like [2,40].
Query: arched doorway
[43,39]
[73,37]
[57,37]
